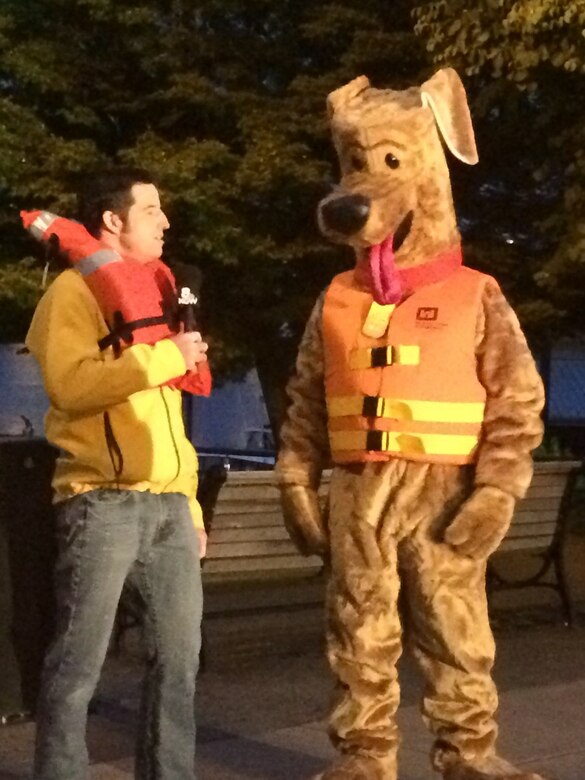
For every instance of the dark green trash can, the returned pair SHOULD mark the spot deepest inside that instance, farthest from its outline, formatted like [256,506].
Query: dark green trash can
[27,556]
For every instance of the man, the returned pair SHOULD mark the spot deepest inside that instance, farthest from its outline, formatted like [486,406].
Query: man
[125,487]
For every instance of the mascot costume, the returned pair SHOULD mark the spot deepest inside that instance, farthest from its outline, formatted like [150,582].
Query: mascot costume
[414,378]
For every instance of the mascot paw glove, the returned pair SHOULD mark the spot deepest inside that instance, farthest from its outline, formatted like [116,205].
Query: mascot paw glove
[303,519]
[482,522]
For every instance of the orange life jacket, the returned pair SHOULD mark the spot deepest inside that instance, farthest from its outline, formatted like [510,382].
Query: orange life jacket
[412,392]
[138,301]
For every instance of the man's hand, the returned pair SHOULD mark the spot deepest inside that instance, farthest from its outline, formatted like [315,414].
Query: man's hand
[192,348]
[202,542]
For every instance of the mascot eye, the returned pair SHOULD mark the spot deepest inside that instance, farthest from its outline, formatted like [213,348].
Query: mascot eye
[357,163]
[391,161]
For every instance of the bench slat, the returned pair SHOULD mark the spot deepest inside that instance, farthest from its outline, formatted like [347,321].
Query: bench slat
[538,504]
[545,491]
[530,518]
[276,563]
[246,478]
[548,477]
[555,466]
[245,508]
[539,529]
[238,535]
[249,493]
[251,520]
[233,508]
[523,543]
[247,549]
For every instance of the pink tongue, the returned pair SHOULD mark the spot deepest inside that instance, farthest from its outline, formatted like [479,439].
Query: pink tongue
[386,283]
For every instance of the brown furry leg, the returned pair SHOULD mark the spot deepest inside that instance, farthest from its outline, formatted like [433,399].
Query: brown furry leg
[360,767]
[448,626]
[364,635]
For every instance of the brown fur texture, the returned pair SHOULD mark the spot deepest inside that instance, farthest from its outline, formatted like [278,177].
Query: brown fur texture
[481,523]
[512,427]
[386,524]
[304,452]
[421,530]
[301,509]
[491,768]
[359,767]
[368,124]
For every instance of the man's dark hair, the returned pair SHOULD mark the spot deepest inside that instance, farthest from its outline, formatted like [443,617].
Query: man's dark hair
[108,191]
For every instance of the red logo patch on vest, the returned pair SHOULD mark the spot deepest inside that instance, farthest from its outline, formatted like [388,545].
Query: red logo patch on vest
[427,313]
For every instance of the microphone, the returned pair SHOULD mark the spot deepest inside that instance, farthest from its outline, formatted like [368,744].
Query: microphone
[188,279]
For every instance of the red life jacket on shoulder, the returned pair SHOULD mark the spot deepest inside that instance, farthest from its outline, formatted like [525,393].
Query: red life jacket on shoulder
[138,300]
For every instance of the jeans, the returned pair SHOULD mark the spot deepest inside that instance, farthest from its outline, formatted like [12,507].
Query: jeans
[105,537]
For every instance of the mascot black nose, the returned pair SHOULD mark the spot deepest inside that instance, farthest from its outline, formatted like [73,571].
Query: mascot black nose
[346,214]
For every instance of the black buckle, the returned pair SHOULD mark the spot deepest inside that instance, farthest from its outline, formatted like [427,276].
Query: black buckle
[374,441]
[370,406]
[380,357]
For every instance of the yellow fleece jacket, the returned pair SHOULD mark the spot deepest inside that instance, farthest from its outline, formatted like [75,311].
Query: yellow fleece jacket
[83,384]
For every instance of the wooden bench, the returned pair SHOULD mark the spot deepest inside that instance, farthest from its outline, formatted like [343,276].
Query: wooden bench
[248,538]
[253,574]
[539,527]
[247,534]
[252,565]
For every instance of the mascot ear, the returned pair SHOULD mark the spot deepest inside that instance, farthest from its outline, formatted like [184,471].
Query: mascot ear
[444,94]
[344,95]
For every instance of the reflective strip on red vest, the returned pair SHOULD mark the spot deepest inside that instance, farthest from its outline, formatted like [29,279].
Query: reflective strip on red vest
[40,225]
[88,265]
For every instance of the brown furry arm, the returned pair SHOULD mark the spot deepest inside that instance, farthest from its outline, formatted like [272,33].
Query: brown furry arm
[515,398]
[304,442]
[512,429]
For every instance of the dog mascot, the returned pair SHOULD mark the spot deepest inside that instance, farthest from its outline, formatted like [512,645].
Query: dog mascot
[414,378]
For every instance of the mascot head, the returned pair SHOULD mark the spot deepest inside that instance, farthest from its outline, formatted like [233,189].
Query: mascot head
[394,202]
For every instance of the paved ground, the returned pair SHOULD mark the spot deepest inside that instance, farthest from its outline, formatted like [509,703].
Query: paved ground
[264,695]
[266,719]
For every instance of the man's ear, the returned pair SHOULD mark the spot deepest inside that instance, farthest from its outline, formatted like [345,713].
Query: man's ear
[113,223]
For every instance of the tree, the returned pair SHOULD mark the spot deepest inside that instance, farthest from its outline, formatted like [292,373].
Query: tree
[224,100]
[525,63]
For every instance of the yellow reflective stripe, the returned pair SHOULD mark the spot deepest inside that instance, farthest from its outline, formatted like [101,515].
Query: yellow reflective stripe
[399,409]
[403,354]
[376,323]
[408,355]
[406,443]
